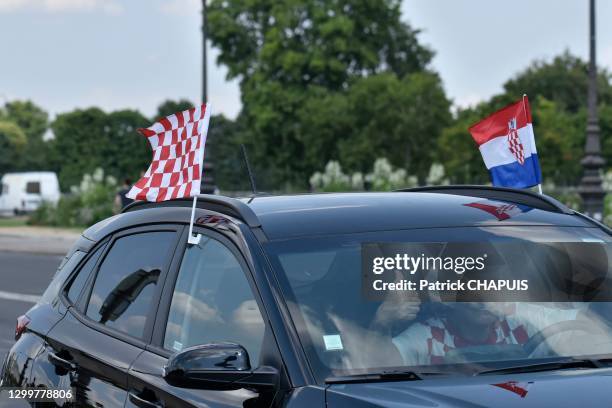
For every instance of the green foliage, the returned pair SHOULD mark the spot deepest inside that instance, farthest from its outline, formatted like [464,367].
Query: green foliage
[90,138]
[89,202]
[12,145]
[563,80]
[223,148]
[316,75]
[169,107]
[34,122]
[560,140]
[324,42]
[458,152]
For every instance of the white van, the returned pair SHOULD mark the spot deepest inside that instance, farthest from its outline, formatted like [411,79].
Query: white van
[24,192]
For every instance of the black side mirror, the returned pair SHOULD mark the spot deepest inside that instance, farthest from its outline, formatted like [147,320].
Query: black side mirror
[218,366]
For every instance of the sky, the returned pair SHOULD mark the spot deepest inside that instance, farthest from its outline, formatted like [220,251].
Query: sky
[116,54]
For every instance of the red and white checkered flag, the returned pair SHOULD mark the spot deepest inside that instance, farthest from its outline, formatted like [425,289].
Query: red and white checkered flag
[178,143]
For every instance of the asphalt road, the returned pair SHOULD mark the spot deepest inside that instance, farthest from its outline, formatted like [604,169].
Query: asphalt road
[23,277]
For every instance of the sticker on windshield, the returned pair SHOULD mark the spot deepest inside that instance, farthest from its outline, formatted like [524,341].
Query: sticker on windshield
[178,346]
[332,342]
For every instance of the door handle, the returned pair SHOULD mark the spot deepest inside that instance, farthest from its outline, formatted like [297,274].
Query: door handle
[61,362]
[143,403]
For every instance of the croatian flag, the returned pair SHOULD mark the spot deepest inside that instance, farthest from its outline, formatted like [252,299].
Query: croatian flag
[507,144]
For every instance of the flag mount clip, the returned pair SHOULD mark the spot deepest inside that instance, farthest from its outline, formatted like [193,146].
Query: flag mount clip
[191,238]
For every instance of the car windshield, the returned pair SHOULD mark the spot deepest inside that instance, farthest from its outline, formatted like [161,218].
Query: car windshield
[348,329]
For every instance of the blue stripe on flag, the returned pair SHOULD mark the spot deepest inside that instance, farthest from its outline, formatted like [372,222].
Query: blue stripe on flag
[516,176]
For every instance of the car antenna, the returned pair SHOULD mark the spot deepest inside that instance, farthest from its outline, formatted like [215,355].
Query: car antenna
[248,167]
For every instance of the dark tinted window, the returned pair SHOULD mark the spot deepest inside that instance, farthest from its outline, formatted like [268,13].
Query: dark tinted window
[126,281]
[33,187]
[76,286]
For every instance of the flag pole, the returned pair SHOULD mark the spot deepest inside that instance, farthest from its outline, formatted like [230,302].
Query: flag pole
[527,121]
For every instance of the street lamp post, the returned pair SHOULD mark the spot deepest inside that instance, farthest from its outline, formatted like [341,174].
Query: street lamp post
[208,180]
[590,187]
[204,62]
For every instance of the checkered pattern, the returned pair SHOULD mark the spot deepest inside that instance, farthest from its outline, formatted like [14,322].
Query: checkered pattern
[441,340]
[178,143]
[514,143]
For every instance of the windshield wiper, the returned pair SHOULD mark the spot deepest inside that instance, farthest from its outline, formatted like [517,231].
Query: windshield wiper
[382,376]
[548,366]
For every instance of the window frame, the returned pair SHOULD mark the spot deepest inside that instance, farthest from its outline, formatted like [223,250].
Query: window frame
[79,309]
[33,183]
[156,344]
[63,292]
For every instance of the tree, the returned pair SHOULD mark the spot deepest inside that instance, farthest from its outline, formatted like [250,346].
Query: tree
[90,138]
[128,153]
[297,63]
[378,116]
[169,107]
[223,145]
[34,122]
[323,42]
[563,80]
[12,143]
[79,142]
[458,152]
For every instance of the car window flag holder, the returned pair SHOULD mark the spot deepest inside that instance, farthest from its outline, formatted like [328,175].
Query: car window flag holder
[178,142]
[191,238]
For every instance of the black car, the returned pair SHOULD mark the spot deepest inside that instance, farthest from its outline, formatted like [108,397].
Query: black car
[269,307]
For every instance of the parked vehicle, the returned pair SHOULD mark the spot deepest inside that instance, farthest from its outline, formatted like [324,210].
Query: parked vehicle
[24,192]
[267,308]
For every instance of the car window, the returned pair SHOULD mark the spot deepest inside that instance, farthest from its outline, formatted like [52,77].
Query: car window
[213,302]
[65,269]
[78,282]
[33,187]
[125,284]
[5,189]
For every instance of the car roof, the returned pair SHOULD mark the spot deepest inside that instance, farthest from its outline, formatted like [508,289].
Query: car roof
[290,216]
[299,215]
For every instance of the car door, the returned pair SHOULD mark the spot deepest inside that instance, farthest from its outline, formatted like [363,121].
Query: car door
[210,299]
[110,320]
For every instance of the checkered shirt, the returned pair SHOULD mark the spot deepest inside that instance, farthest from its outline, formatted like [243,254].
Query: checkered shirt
[178,143]
[428,342]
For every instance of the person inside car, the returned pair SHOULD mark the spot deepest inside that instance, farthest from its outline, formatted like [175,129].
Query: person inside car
[468,325]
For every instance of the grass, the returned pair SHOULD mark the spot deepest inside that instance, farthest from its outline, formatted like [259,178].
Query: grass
[13,222]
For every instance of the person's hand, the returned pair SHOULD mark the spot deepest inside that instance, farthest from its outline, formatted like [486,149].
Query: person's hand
[399,306]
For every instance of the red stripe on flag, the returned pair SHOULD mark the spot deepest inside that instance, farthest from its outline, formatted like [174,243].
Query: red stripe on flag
[169,167]
[146,132]
[496,124]
[165,122]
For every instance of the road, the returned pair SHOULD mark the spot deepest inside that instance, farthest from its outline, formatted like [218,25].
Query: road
[23,276]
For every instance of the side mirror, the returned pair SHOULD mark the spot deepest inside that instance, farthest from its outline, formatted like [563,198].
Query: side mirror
[218,366]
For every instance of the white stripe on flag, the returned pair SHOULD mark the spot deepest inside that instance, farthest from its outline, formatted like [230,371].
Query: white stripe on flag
[173,121]
[496,152]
